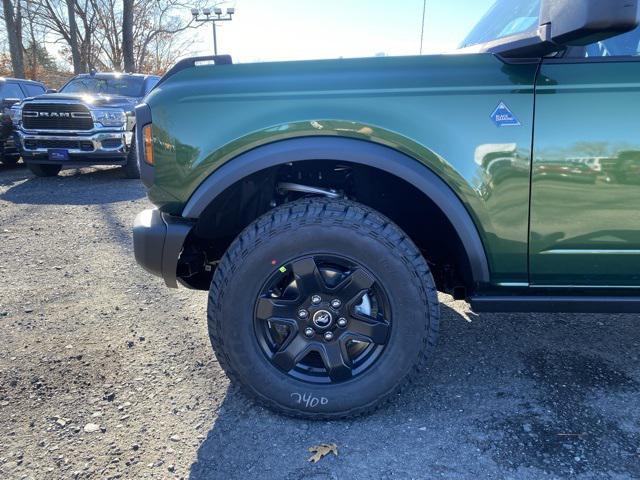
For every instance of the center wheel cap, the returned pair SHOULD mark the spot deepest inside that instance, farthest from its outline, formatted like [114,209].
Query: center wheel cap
[322,319]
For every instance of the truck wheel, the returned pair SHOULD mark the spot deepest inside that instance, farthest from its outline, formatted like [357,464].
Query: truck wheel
[131,169]
[9,160]
[322,309]
[44,170]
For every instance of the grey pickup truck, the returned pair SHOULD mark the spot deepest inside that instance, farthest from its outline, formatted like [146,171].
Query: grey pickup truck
[89,122]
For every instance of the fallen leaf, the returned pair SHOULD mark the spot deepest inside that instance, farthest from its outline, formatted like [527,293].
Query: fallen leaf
[321,451]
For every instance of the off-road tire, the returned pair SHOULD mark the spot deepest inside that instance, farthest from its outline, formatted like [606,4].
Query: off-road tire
[9,160]
[325,226]
[131,169]
[44,170]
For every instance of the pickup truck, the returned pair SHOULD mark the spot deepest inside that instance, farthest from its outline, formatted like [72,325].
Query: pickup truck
[324,204]
[90,121]
[13,91]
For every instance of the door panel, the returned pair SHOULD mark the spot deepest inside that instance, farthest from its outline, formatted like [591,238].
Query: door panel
[585,191]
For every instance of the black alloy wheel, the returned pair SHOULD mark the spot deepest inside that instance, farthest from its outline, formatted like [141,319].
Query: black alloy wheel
[322,319]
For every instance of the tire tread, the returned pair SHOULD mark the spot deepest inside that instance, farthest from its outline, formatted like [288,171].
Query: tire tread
[334,212]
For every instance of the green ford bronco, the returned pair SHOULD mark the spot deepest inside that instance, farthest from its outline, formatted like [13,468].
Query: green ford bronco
[324,204]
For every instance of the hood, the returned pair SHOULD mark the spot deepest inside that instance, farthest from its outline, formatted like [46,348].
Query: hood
[97,100]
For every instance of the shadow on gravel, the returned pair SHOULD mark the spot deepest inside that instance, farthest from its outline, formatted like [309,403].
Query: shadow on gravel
[571,436]
[119,231]
[12,173]
[72,187]
[507,396]
[4,167]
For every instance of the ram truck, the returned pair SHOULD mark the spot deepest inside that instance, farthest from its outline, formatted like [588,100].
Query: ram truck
[323,204]
[90,121]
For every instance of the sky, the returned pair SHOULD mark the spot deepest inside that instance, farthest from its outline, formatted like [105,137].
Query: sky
[271,30]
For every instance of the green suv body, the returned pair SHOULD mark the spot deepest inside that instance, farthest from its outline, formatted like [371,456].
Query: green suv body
[323,203]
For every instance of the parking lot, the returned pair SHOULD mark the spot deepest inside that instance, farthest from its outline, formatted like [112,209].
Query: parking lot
[105,373]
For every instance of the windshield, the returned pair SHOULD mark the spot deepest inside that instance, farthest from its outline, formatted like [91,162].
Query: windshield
[126,87]
[625,45]
[505,18]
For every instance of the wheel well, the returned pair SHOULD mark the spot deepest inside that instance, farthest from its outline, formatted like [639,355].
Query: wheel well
[412,210]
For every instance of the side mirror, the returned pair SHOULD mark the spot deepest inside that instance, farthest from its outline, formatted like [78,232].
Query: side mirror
[564,23]
[52,90]
[583,22]
[7,103]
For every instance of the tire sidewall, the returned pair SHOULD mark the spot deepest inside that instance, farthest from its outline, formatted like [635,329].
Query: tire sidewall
[403,288]
[132,168]
[44,170]
[10,161]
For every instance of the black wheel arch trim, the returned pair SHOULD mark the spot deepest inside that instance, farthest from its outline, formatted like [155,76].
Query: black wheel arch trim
[355,151]
[143,118]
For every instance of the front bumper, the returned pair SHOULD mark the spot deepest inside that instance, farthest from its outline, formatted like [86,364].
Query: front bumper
[158,239]
[96,148]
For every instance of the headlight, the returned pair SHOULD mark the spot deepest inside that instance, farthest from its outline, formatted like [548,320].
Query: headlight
[109,118]
[16,115]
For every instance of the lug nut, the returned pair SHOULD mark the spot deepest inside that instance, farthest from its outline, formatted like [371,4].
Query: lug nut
[335,303]
[342,322]
[303,314]
[316,299]
[309,332]
[328,336]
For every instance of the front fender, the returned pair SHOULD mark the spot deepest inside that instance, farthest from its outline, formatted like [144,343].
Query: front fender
[358,152]
[437,110]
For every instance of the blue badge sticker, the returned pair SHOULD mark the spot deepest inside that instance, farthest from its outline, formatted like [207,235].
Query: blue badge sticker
[503,117]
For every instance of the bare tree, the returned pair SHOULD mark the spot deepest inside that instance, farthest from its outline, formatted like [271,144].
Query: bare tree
[162,52]
[59,16]
[127,36]
[108,34]
[76,58]
[32,53]
[130,35]
[158,26]
[13,23]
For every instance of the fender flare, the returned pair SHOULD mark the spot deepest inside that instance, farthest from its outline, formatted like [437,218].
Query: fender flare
[353,151]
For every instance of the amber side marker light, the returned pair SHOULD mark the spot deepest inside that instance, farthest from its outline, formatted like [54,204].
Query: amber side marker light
[148,144]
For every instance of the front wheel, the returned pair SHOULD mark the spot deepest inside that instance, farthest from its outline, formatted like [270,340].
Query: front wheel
[9,160]
[44,170]
[322,309]
[131,169]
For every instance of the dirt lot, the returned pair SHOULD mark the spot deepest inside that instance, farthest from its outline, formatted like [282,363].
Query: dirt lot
[105,373]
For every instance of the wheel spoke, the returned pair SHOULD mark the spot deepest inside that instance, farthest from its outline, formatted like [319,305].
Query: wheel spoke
[291,353]
[308,277]
[377,331]
[355,285]
[299,344]
[336,361]
[274,309]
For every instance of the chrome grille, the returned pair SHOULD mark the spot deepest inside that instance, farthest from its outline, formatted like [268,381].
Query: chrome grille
[56,116]
[34,144]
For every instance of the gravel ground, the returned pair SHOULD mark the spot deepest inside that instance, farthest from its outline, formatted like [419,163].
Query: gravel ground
[105,373]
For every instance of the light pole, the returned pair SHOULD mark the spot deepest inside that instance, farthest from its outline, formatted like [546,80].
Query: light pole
[424,14]
[213,16]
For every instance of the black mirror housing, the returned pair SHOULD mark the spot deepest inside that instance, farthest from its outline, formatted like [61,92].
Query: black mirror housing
[565,23]
[52,90]
[9,102]
[579,23]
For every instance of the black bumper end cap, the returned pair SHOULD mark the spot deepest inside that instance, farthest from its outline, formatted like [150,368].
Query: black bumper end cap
[157,243]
